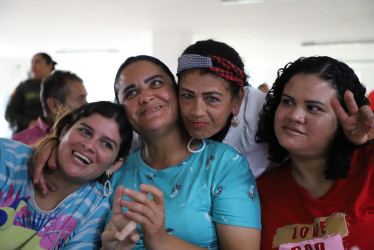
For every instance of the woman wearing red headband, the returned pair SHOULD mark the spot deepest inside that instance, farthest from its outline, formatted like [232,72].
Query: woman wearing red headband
[216,102]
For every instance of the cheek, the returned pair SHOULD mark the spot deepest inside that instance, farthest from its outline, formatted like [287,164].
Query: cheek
[171,98]
[278,116]
[327,127]
[130,108]
[184,107]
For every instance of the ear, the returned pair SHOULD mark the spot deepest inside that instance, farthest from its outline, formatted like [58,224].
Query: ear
[116,165]
[53,105]
[237,102]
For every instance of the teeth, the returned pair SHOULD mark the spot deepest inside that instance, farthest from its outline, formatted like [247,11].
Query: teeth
[82,157]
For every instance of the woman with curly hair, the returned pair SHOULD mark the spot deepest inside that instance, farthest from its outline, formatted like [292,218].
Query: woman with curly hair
[321,196]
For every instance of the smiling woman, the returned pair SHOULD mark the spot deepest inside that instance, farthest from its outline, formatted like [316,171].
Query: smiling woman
[92,141]
[321,196]
[182,193]
[216,102]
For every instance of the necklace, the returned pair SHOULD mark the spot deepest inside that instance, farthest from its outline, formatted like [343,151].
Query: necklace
[195,151]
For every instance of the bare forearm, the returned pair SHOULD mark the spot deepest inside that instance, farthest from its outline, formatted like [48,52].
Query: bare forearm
[169,242]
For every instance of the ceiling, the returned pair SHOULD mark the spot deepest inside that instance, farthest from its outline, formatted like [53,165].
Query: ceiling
[270,32]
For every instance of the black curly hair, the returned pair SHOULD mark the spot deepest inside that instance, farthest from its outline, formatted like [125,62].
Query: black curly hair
[342,78]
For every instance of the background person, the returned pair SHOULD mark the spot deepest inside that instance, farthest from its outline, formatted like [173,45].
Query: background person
[264,88]
[24,105]
[59,91]
[92,141]
[320,197]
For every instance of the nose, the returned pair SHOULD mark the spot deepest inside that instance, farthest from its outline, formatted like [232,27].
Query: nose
[88,145]
[198,108]
[145,97]
[297,114]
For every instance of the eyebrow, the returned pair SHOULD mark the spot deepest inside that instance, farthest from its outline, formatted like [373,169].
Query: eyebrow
[205,93]
[146,81]
[306,101]
[105,137]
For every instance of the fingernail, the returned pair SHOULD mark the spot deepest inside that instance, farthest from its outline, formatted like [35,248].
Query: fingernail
[372,125]
[44,192]
[53,189]
[34,180]
[121,237]
[54,165]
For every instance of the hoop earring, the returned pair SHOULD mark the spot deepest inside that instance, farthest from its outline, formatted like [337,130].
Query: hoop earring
[107,188]
[195,151]
[234,121]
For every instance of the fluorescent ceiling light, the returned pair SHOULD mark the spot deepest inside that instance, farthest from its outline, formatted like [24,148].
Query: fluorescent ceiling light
[232,2]
[87,51]
[339,43]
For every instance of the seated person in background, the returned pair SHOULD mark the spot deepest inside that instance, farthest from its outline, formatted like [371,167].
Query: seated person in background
[59,90]
[24,105]
[322,194]
[263,87]
[92,142]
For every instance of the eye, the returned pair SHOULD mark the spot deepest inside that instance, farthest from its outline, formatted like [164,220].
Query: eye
[187,96]
[212,99]
[107,144]
[129,94]
[287,101]
[155,84]
[314,108]
[85,131]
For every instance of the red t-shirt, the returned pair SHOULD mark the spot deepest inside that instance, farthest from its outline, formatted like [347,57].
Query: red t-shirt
[343,218]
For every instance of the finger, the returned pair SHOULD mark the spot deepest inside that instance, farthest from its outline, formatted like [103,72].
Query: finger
[135,237]
[42,186]
[117,208]
[40,157]
[338,109]
[37,166]
[53,158]
[367,115]
[350,102]
[140,210]
[158,196]
[129,228]
[108,237]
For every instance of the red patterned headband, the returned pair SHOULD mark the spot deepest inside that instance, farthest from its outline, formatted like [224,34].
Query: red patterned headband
[218,65]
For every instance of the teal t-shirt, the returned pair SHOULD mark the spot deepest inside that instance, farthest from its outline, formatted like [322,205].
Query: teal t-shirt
[215,185]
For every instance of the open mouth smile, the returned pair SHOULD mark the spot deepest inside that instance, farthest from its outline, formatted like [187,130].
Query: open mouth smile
[81,158]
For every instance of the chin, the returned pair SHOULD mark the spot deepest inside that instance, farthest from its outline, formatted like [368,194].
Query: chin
[199,136]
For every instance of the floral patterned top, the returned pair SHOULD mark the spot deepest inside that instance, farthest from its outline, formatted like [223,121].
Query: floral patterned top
[75,223]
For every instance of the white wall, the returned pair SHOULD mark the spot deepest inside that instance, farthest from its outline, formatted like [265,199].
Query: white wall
[97,68]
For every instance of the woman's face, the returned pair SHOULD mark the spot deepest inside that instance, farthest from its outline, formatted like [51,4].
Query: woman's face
[205,102]
[89,148]
[305,123]
[149,98]
[39,67]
